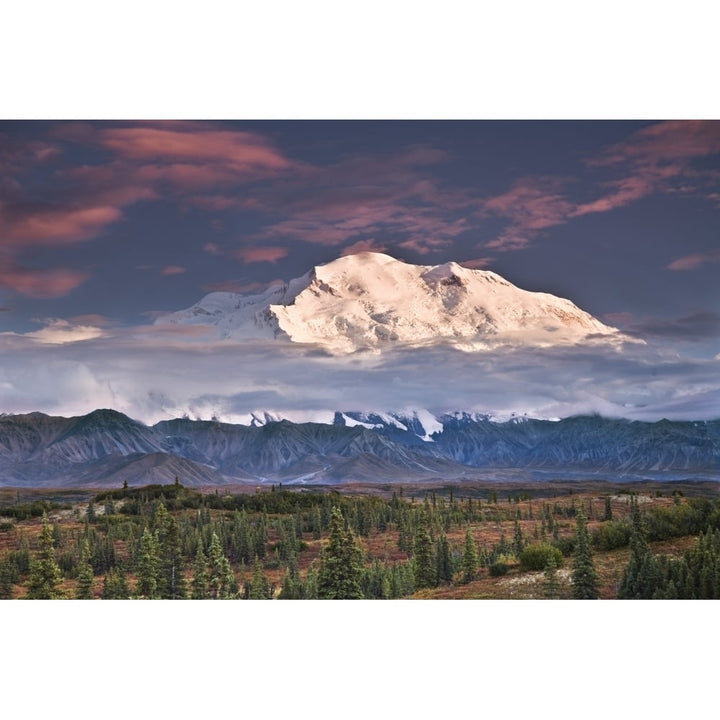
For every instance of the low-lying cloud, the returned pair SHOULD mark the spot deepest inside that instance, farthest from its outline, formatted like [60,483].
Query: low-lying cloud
[152,377]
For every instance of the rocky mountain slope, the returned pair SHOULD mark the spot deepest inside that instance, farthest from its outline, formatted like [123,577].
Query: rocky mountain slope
[107,448]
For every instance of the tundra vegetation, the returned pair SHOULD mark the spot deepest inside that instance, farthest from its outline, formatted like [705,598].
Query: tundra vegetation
[171,542]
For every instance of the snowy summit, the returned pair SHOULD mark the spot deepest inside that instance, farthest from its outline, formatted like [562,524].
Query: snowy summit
[370,301]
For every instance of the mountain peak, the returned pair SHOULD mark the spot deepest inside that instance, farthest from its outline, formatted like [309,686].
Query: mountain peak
[370,301]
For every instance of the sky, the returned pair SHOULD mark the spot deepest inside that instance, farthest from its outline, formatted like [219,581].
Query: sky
[106,225]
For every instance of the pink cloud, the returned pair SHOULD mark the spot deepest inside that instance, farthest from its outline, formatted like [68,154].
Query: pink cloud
[16,155]
[225,202]
[185,175]
[261,254]
[56,226]
[369,196]
[337,217]
[694,261]
[41,283]
[241,150]
[423,246]
[530,207]
[626,191]
[173,270]
[659,159]
[362,246]
[312,231]
[664,142]
[212,248]
[477,263]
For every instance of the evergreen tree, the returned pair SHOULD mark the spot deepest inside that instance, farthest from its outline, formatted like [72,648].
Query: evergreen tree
[341,563]
[115,585]
[425,575]
[639,577]
[83,590]
[171,579]
[608,509]
[259,587]
[584,578]
[376,582]
[200,585]
[148,570]
[221,581]
[310,584]
[551,584]
[518,540]
[292,587]
[57,536]
[45,574]
[443,560]
[469,559]
[7,576]
[261,535]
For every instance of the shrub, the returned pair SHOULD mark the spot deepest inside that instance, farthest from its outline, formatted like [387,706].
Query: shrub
[566,545]
[611,535]
[498,568]
[537,556]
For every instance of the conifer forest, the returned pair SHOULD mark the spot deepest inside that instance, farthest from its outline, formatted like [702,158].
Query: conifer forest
[170,542]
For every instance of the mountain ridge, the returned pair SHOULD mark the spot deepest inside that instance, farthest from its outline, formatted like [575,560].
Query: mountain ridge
[109,447]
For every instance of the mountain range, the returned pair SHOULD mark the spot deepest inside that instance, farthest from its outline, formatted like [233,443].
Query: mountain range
[368,302]
[106,448]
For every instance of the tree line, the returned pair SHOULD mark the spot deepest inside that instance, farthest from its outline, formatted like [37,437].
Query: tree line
[168,542]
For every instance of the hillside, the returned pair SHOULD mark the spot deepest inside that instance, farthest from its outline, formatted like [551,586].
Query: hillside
[106,448]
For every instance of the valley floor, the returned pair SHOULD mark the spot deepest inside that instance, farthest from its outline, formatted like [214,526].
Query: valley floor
[275,543]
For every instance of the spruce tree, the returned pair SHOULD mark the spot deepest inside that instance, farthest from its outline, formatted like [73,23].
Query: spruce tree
[45,574]
[221,581]
[259,587]
[443,560]
[469,559]
[148,570]
[171,579]
[291,585]
[83,589]
[584,578]
[425,575]
[608,509]
[551,584]
[341,563]
[637,580]
[200,586]
[115,585]
[7,576]
[518,540]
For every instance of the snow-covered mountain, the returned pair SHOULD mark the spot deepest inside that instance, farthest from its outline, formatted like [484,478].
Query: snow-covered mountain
[371,300]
